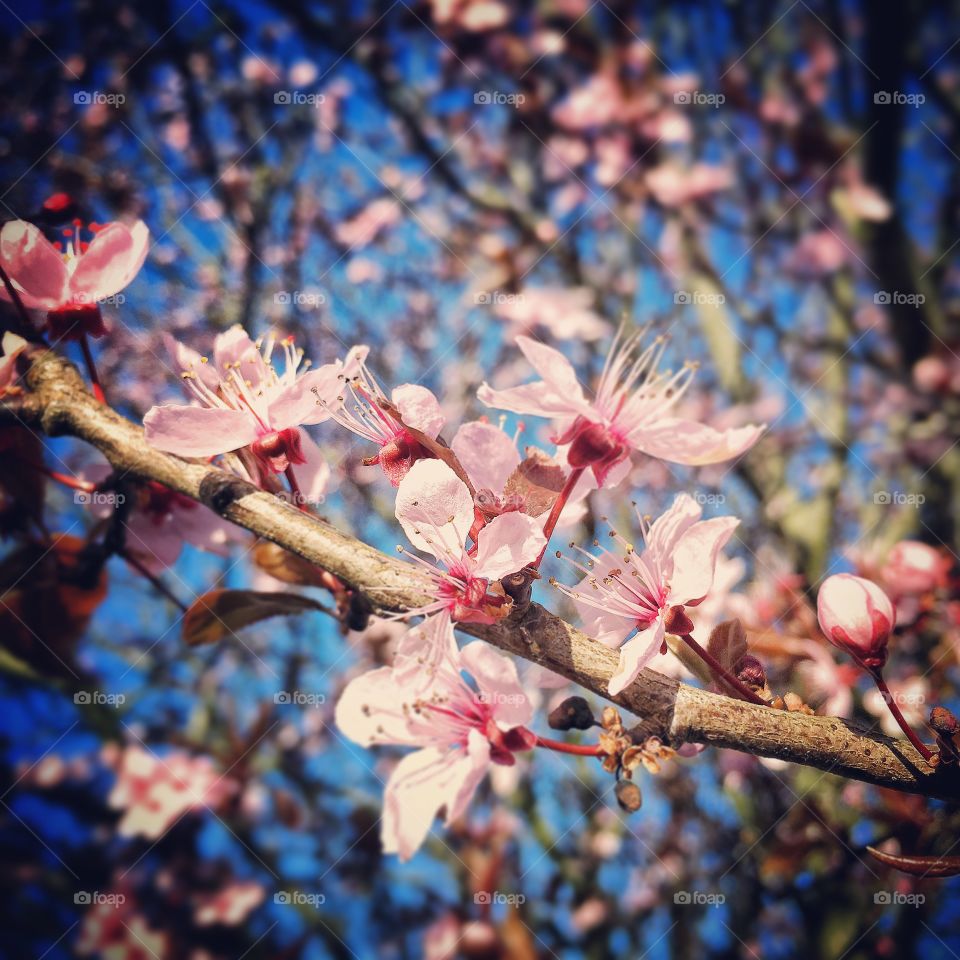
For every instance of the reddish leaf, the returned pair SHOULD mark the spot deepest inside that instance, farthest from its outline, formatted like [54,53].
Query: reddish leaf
[536,482]
[928,868]
[221,613]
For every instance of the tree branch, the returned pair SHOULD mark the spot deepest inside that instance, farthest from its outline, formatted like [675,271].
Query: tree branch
[58,403]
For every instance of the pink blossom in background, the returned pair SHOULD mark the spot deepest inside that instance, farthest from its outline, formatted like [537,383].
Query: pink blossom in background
[829,685]
[473,15]
[423,701]
[817,254]
[436,510]
[114,929]
[914,568]
[155,792]
[627,594]
[912,696]
[230,906]
[597,103]
[631,410]
[363,228]
[673,186]
[567,313]
[70,279]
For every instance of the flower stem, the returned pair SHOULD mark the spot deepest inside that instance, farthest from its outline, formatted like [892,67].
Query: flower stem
[15,297]
[894,707]
[557,509]
[577,749]
[92,369]
[295,490]
[155,581]
[721,673]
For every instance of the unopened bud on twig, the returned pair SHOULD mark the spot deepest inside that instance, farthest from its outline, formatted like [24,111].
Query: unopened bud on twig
[628,796]
[750,671]
[573,714]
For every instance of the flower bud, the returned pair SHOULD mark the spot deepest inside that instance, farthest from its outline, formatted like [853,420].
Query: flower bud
[573,714]
[857,616]
[750,671]
[628,796]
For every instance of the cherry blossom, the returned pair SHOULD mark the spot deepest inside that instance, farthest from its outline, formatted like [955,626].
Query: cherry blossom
[857,616]
[114,927]
[229,906]
[243,402]
[436,510]
[567,313]
[460,729]
[628,593]
[913,567]
[154,792]
[366,414]
[70,278]
[632,409]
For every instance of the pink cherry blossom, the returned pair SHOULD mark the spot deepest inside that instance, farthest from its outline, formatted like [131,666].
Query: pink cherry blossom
[857,616]
[631,411]
[114,927]
[365,414]
[423,701]
[243,402]
[911,695]
[914,567]
[70,279]
[436,510]
[155,792]
[567,313]
[229,906]
[629,593]
[363,229]
[672,186]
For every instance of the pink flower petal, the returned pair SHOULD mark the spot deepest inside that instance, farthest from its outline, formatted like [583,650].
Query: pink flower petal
[665,532]
[435,508]
[496,676]
[635,654]
[198,431]
[298,403]
[487,454]
[695,558]
[372,703]
[692,443]
[420,408]
[185,359]
[34,265]
[111,261]
[233,347]
[507,544]
[313,476]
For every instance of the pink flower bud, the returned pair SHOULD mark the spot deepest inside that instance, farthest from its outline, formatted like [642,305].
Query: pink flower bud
[857,616]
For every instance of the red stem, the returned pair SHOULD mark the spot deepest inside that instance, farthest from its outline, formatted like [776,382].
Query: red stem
[577,749]
[557,509]
[922,748]
[155,581]
[92,369]
[721,673]
[295,490]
